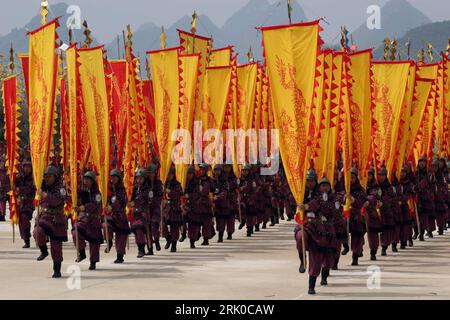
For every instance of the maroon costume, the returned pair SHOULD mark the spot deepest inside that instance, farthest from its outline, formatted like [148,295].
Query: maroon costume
[172,217]
[4,189]
[26,192]
[140,198]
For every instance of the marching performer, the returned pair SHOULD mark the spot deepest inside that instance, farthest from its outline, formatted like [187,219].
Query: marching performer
[249,190]
[155,196]
[233,211]
[203,205]
[373,214]
[26,191]
[172,218]
[4,190]
[140,205]
[407,192]
[51,223]
[387,197]
[222,205]
[117,218]
[425,197]
[441,196]
[193,216]
[89,222]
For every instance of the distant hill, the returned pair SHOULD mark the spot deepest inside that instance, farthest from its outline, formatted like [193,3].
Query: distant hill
[19,38]
[437,34]
[397,18]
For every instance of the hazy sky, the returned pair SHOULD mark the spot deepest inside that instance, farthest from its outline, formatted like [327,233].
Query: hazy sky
[106,17]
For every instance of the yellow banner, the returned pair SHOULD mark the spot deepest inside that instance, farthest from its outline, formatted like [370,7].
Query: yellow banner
[72,85]
[446,103]
[361,93]
[346,129]
[390,81]
[220,57]
[189,82]
[42,86]
[421,96]
[166,89]
[246,89]
[95,97]
[291,57]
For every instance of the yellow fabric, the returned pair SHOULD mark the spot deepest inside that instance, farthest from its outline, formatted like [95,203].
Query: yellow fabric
[73,114]
[291,54]
[405,123]
[422,93]
[246,86]
[165,70]
[220,57]
[359,70]
[189,75]
[347,138]
[390,89]
[93,85]
[42,86]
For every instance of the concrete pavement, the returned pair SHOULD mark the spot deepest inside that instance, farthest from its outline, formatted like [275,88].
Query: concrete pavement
[262,267]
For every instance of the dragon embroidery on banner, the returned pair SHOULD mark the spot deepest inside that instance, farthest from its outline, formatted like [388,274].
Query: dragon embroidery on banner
[206,107]
[99,118]
[242,102]
[357,131]
[163,128]
[294,130]
[383,138]
[37,111]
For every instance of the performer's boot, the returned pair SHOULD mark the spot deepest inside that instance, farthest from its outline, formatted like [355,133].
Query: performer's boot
[383,251]
[421,236]
[301,269]
[141,250]
[441,231]
[220,237]
[149,250]
[174,246]
[82,255]
[410,242]
[192,244]
[355,259]
[272,221]
[109,246]
[416,233]
[119,259]
[373,255]
[2,217]
[242,224]
[183,236]
[92,266]
[335,265]
[249,231]
[56,269]
[325,274]
[264,225]
[44,253]
[257,227]
[167,246]
[346,249]
[312,285]
[230,236]
[403,245]
[430,234]
[157,245]
[394,247]
[27,244]
[205,242]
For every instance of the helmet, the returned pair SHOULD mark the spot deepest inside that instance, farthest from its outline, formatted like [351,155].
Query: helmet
[172,170]
[423,158]
[435,163]
[153,168]
[141,172]
[383,171]
[247,167]
[405,169]
[51,170]
[372,170]
[354,171]
[191,170]
[325,180]
[204,166]
[90,174]
[311,175]
[115,173]
[218,167]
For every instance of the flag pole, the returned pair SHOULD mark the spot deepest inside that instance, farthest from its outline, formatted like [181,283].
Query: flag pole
[11,70]
[289,8]
[194,29]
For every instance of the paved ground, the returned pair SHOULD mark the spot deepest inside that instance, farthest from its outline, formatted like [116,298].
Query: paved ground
[261,267]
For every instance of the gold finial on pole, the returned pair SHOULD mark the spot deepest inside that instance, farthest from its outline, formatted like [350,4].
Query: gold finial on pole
[250,55]
[44,12]
[393,49]
[147,68]
[344,38]
[129,36]
[11,60]
[289,7]
[430,52]
[421,56]
[194,23]
[87,33]
[163,38]
[387,43]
